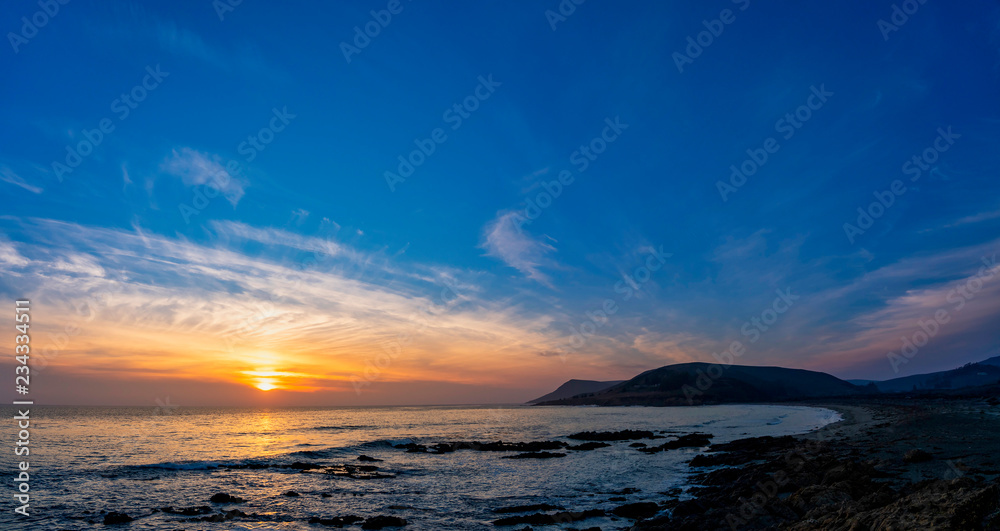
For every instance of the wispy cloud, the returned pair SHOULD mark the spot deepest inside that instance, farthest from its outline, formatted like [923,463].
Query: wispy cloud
[8,176]
[504,239]
[182,41]
[197,168]
[983,216]
[172,302]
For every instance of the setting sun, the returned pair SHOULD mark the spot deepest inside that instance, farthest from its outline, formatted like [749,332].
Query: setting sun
[267,379]
[265,385]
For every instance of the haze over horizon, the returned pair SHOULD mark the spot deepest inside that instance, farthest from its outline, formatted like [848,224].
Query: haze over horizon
[257,206]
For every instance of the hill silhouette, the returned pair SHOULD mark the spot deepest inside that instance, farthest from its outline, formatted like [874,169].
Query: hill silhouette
[704,383]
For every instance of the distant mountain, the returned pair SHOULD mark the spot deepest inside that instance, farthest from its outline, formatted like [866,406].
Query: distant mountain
[575,387]
[704,383]
[972,375]
[995,361]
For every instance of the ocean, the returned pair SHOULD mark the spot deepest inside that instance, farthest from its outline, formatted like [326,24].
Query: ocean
[86,461]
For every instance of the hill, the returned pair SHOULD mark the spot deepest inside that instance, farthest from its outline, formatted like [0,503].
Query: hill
[704,383]
[575,387]
[971,375]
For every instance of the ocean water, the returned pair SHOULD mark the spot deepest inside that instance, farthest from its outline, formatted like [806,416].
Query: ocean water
[138,460]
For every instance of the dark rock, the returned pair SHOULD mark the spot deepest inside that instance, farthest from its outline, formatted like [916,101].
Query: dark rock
[636,511]
[222,497]
[544,519]
[298,465]
[378,522]
[534,455]
[367,459]
[526,508]
[979,509]
[624,435]
[588,446]
[290,493]
[412,447]
[917,456]
[326,495]
[691,440]
[114,517]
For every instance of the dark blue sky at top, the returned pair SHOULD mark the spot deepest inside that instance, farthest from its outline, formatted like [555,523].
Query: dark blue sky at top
[654,186]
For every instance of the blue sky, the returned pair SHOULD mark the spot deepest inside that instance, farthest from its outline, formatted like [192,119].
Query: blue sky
[309,227]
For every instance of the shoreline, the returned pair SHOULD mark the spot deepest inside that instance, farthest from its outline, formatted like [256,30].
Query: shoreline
[887,464]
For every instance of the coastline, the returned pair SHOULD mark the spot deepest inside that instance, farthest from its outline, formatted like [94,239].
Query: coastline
[888,464]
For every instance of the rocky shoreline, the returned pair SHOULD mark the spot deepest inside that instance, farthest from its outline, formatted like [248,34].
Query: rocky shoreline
[890,464]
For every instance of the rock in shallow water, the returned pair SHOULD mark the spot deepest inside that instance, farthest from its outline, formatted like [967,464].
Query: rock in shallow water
[115,517]
[637,511]
[222,497]
[624,435]
[534,455]
[917,456]
[554,518]
[526,508]
[691,440]
[588,446]
[378,522]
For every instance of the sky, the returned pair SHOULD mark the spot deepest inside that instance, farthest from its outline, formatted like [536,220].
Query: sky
[416,202]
